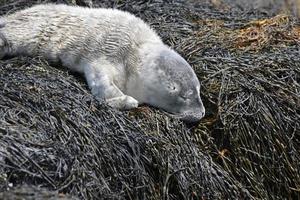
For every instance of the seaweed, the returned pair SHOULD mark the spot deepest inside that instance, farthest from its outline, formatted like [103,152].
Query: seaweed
[54,135]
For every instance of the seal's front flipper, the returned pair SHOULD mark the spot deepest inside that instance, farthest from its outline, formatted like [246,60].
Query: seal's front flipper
[103,88]
[2,45]
[123,102]
[3,41]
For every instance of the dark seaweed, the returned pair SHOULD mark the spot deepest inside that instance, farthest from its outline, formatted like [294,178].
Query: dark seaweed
[54,135]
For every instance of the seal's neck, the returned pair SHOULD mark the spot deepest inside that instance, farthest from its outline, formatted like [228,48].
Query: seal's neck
[137,83]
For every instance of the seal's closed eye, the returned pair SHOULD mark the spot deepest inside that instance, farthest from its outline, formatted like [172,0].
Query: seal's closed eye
[174,87]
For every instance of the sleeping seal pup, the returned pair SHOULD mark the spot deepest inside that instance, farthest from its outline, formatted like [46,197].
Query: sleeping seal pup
[123,60]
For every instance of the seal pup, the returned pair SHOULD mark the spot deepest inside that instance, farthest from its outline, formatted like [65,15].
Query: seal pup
[123,60]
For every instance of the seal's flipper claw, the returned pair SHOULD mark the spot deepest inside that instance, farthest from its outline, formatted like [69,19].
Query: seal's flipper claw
[123,103]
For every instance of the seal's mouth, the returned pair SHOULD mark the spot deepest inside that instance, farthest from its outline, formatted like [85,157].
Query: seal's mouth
[186,117]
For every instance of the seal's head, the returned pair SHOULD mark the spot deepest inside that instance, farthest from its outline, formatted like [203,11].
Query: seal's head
[170,83]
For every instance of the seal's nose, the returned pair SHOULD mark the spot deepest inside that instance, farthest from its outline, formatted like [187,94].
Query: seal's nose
[202,111]
[201,108]
[193,118]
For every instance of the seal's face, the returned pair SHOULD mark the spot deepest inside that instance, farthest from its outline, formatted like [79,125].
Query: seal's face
[174,87]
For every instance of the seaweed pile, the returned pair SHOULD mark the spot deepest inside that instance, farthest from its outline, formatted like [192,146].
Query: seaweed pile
[55,136]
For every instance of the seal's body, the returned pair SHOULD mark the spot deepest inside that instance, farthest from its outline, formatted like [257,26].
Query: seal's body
[124,61]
